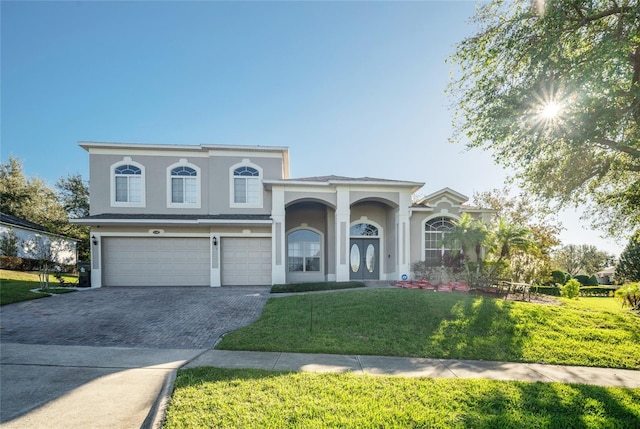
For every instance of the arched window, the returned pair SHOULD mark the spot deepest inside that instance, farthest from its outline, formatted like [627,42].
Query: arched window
[247,190]
[127,186]
[435,230]
[303,250]
[184,185]
[363,229]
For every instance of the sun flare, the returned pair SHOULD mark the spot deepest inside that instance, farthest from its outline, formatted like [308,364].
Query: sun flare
[551,110]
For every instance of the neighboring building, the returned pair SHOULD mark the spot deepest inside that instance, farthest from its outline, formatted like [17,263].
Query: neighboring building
[35,241]
[605,277]
[231,215]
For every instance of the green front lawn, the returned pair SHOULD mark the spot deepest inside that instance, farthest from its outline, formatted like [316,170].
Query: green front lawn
[400,322]
[212,397]
[16,286]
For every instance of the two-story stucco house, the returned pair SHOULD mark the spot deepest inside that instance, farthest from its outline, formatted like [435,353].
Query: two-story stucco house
[175,215]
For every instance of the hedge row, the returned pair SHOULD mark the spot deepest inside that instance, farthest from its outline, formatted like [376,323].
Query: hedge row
[584,290]
[309,287]
[25,264]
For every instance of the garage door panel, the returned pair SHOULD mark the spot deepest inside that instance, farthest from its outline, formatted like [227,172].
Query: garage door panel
[246,261]
[142,261]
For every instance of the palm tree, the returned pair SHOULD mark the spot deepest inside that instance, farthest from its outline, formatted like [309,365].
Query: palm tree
[506,238]
[468,233]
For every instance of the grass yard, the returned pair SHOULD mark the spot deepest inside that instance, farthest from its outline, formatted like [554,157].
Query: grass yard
[16,286]
[401,322]
[211,397]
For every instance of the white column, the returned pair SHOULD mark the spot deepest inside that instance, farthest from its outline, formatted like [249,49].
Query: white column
[278,236]
[404,235]
[343,221]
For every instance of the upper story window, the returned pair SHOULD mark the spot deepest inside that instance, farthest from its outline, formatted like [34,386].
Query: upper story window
[183,189]
[127,186]
[247,186]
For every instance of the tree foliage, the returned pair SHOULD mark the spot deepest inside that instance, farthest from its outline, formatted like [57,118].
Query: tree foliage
[585,258]
[628,268]
[552,88]
[541,223]
[30,198]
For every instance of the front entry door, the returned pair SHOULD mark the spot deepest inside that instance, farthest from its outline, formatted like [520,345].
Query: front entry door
[364,259]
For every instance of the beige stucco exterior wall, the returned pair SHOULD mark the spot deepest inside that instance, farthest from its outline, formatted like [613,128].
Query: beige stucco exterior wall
[215,182]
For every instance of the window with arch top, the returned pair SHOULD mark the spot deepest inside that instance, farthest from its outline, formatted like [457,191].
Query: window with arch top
[184,186]
[127,184]
[303,251]
[435,230]
[247,189]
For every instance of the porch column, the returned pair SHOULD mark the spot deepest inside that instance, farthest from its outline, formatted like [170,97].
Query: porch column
[343,220]
[404,236]
[278,236]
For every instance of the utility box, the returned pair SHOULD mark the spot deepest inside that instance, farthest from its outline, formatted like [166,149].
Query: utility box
[84,274]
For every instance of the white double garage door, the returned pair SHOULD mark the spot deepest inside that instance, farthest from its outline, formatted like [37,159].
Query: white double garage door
[184,261]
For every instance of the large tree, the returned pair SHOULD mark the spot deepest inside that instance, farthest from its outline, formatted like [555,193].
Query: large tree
[585,258]
[628,268]
[552,88]
[29,198]
[73,194]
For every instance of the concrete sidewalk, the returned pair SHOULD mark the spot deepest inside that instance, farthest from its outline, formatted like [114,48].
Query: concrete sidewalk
[116,387]
[417,367]
[48,386]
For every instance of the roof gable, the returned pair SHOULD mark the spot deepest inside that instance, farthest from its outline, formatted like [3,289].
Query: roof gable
[444,194]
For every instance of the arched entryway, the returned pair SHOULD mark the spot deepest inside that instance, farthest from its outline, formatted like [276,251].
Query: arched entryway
[364,253]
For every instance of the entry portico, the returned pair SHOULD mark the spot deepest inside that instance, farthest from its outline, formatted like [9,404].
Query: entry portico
[334,228]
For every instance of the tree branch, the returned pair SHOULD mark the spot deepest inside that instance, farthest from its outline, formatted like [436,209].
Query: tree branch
[616,146]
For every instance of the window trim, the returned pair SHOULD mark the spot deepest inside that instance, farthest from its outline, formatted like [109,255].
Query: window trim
[112,173]
[198,177]
[232,203]
[321,253]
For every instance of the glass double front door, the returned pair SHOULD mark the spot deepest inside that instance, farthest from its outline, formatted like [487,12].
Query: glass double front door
[364,258]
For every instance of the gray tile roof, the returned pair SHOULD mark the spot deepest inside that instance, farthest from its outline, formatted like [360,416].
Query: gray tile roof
[16,221]
[344,178]
[128,216]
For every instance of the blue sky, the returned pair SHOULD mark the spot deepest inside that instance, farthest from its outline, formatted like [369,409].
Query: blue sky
[352,88]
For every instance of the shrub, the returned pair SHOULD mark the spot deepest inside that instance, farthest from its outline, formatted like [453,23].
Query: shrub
[10,263]
[593,281]
[9,243]
[310,287]
[597,290]
[583,279]
[629,294]
[546,290]
[571,289]
[559,277]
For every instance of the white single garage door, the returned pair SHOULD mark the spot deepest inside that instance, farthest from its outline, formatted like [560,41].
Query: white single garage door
[246,261]
[142,261]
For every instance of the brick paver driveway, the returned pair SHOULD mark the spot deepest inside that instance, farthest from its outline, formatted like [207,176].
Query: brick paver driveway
[158,317]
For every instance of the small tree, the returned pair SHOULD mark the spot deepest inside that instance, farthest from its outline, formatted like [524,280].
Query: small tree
[9,243]
[571,289]
[40,249]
